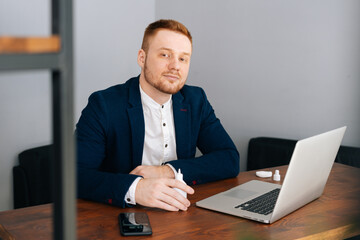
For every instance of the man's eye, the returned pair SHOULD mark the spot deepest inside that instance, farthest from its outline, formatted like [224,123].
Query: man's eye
[165,55]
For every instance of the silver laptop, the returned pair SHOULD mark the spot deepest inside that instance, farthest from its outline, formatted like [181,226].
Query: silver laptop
[305,179]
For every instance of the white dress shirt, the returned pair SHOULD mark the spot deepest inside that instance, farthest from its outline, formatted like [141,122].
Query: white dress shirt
[159,142]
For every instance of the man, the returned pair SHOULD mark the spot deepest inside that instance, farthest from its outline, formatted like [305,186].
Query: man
[132,138]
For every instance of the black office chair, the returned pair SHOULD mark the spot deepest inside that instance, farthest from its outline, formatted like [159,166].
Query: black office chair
[266,152]
[32,178]
[349,156]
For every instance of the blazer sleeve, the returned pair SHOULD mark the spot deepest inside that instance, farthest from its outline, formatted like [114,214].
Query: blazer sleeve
[91,135]
[220,158]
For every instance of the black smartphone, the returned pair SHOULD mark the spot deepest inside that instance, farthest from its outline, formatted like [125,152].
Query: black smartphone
[134,223]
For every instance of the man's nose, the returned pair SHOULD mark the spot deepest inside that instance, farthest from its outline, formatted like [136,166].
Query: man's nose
[174,63]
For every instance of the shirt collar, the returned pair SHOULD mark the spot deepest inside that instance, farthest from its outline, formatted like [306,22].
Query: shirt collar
[148,101]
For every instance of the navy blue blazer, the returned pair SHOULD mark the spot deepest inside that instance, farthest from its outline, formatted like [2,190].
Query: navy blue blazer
[110,139]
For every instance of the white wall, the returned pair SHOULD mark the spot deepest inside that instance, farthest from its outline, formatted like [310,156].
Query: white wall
[287,69]
[107,36]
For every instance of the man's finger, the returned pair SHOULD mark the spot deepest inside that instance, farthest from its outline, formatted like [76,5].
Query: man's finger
[179,203]
[158,193]
[178,184]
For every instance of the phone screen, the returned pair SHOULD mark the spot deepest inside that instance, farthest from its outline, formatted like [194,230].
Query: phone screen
[135,223]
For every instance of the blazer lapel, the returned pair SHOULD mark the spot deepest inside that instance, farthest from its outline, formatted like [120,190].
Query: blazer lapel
[137,123]
[182,121]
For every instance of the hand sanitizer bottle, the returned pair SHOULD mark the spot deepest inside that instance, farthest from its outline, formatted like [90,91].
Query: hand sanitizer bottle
[276,176]
[179,176]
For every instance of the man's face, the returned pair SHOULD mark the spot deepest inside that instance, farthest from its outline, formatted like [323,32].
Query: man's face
[166,64]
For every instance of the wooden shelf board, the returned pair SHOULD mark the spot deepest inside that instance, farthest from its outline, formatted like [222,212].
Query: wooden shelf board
[9,45]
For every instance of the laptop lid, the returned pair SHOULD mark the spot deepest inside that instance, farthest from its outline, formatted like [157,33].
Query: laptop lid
[308,171]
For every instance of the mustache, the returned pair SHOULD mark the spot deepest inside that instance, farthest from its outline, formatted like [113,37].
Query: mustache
[174,73]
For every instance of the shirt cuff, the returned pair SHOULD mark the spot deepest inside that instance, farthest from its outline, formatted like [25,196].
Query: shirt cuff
[130,195]
[172,168]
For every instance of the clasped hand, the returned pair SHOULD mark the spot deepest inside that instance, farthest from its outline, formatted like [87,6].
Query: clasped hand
[156,188]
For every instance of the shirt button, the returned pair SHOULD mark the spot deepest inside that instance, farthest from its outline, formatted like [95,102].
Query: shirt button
[162,106]
[164,124]
[128,199]
[166,145]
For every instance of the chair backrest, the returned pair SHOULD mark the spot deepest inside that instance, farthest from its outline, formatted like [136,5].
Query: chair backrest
[32,177]
[266,152]
[349,156]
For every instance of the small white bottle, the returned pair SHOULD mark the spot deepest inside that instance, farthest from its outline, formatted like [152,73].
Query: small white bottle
[277,175]
[179,176]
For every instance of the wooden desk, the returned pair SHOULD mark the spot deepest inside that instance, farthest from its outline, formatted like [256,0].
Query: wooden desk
[335,215]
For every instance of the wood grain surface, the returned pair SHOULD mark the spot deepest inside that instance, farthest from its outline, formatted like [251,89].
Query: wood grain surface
[335,215]
[26,45]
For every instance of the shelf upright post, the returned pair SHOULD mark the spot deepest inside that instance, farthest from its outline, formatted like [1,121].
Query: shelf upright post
[64,213]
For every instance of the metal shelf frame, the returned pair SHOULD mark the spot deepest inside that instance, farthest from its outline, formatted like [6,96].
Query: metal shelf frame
[29,61]
[61,66]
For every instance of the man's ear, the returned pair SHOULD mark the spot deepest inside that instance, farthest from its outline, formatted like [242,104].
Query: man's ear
[141,58]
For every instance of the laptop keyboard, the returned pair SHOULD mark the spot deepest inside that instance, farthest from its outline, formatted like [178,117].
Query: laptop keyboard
[264,204]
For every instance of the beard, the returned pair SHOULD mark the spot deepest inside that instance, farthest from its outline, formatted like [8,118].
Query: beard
[164,86]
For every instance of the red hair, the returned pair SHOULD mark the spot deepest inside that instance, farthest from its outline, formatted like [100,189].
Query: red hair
[168,24]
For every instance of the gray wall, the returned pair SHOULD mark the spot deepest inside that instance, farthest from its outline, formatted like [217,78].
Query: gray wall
[107,35]
[25,118]
[275,68]
[287,69]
